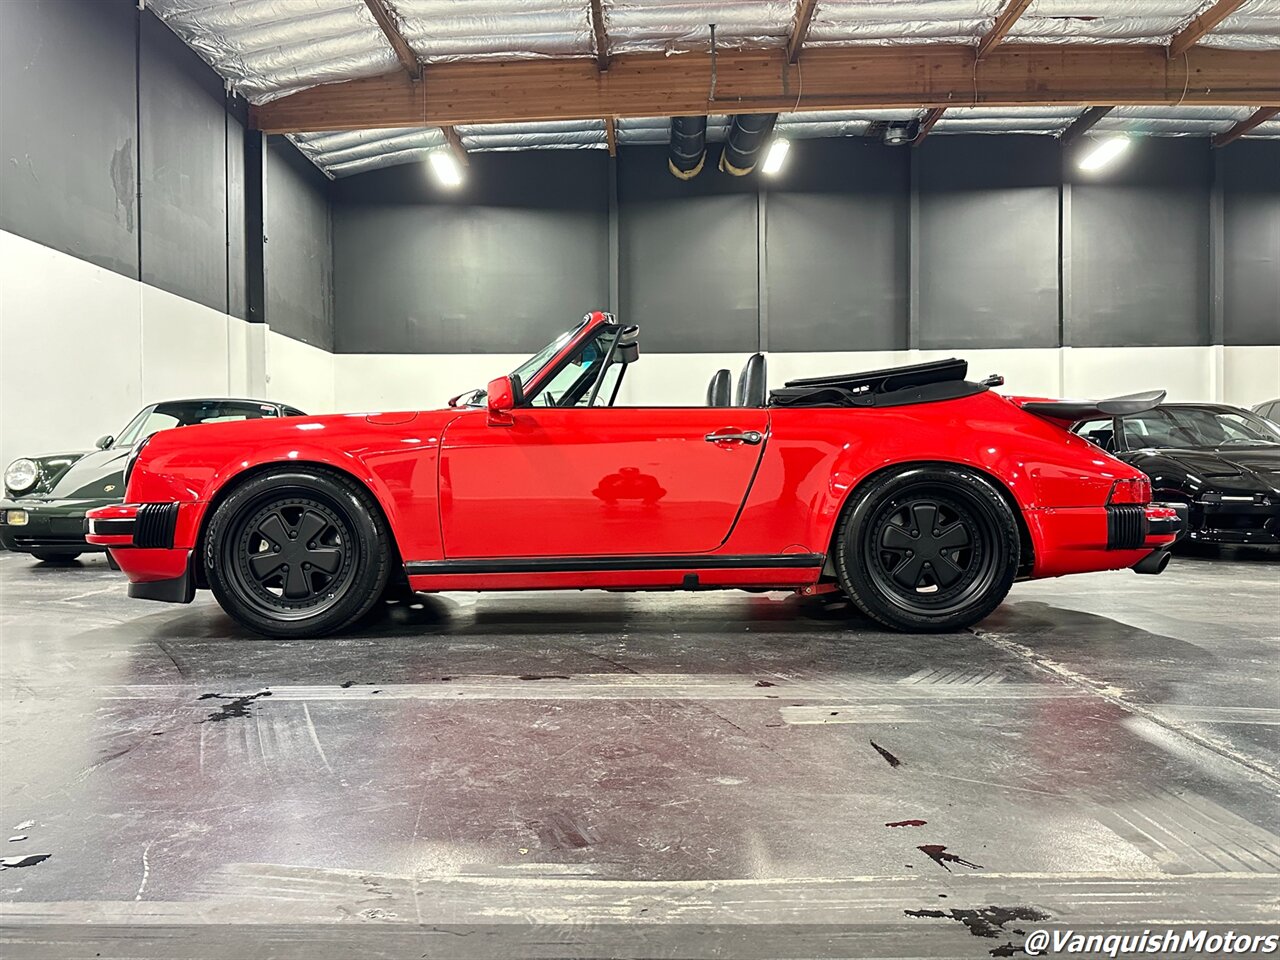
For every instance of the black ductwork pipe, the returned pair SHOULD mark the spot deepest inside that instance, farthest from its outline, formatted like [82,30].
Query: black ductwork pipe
[747,137]
[688,146]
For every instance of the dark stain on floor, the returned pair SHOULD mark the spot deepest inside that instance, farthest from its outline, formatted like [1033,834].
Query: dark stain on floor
[233,708]
[907,823]
[984,921]
[543,676]
[889,757]
[938,854]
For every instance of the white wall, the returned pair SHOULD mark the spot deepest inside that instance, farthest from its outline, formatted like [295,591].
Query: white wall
[82,349]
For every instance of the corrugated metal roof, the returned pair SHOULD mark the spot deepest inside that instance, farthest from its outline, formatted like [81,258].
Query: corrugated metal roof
[271,48]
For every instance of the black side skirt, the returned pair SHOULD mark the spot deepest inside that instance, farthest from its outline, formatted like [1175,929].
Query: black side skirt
[595,564]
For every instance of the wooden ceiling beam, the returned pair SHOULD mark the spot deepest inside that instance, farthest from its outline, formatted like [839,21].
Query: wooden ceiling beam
[1259,116]
[611,136]
[1084,123]
[455,145]
[1193,32]
[602,38]
[762,81]
[800,30]
[408,59]
[1004,21]
[926,124]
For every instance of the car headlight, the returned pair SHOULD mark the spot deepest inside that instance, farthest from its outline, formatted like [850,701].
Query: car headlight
[21,475]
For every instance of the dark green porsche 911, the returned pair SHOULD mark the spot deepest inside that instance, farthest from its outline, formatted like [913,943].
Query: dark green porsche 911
[46,497]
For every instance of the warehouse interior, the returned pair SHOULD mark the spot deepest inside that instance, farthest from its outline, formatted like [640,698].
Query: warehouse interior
[372,205]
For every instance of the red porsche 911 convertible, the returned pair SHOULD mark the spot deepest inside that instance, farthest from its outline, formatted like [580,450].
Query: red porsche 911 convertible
[917,494]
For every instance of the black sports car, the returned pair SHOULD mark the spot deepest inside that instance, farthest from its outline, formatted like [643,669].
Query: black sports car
[46,497]
[1222,461]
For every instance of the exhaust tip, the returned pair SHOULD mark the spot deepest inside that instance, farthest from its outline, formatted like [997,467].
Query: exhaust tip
[1153,563]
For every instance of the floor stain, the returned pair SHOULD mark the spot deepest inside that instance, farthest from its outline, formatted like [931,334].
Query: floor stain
[938,854]
[984,921]
[889,757]
[233,708]
[907,823]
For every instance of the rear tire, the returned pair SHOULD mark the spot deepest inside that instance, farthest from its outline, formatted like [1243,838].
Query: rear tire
[927,549]
[55,557]
[297,553]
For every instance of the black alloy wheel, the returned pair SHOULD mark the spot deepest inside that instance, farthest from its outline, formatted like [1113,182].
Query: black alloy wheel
[928,548]
[303,552]
[292,557]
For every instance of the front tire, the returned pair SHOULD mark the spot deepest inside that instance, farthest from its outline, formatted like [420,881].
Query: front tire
[297,553]
[928,549]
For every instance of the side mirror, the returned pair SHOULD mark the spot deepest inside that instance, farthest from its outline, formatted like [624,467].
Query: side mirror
[504,395]
[104,441]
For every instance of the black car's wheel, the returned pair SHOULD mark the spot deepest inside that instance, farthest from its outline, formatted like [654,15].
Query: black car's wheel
[928,549]
[56,556]
[297,553]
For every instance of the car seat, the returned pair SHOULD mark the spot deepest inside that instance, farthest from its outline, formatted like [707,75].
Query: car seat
[720,390]
[752,388]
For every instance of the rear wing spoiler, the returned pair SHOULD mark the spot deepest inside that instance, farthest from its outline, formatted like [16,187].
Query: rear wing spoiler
[1072,410]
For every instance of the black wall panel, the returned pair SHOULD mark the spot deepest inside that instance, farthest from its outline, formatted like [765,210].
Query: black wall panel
[299,247]
[1139,246]
[988,241]
[184,165]
[687,255]
[836,248]
[68,128]
[502,264]
[1250,177]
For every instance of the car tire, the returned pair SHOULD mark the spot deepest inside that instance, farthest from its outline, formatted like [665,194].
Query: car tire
[55,557]
[927,549]
[297,553]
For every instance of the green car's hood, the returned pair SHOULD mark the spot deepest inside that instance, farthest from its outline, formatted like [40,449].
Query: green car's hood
[97,475]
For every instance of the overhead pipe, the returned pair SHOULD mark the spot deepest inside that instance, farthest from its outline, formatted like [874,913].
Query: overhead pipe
[688,146]
[747,138]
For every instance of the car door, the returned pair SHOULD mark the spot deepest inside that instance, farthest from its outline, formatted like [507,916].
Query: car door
[597,481]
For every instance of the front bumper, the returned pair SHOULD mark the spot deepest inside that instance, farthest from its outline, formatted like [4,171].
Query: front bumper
[50,525]
[1243,519]
[153,544]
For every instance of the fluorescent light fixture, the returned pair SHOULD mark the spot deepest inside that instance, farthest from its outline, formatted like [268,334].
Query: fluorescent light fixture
[777,154]
[445,167]
[1104,153]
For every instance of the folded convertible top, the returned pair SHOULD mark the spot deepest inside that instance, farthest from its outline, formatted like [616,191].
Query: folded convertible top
[895,386]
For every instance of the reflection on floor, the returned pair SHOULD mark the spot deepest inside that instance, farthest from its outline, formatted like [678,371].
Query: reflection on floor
[1101,751]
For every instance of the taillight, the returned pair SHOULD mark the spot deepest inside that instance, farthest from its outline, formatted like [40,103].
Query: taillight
[1132,490]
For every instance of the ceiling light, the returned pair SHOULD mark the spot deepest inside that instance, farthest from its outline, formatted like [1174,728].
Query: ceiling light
[1104,152]
[445,167]
[777,154]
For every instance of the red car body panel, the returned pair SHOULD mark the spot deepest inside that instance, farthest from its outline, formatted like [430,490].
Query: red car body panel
[640,493]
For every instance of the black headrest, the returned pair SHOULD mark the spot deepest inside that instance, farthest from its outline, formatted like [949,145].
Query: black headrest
[720,390]
[752,388]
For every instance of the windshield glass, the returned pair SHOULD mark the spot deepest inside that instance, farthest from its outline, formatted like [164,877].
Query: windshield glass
[577,382]
[1197,427]
[529,369]
[183,413]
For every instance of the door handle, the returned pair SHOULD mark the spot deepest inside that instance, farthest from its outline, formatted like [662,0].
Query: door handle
[750,436]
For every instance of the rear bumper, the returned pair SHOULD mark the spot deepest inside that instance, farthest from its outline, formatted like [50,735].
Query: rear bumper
[153,544]
[1085,539]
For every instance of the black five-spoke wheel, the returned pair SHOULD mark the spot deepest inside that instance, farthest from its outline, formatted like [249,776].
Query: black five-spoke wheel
[303,552]
[924,547]
[928,548]
[293,554]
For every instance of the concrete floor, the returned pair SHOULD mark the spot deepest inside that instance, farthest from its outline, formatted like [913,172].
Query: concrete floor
[593,774]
